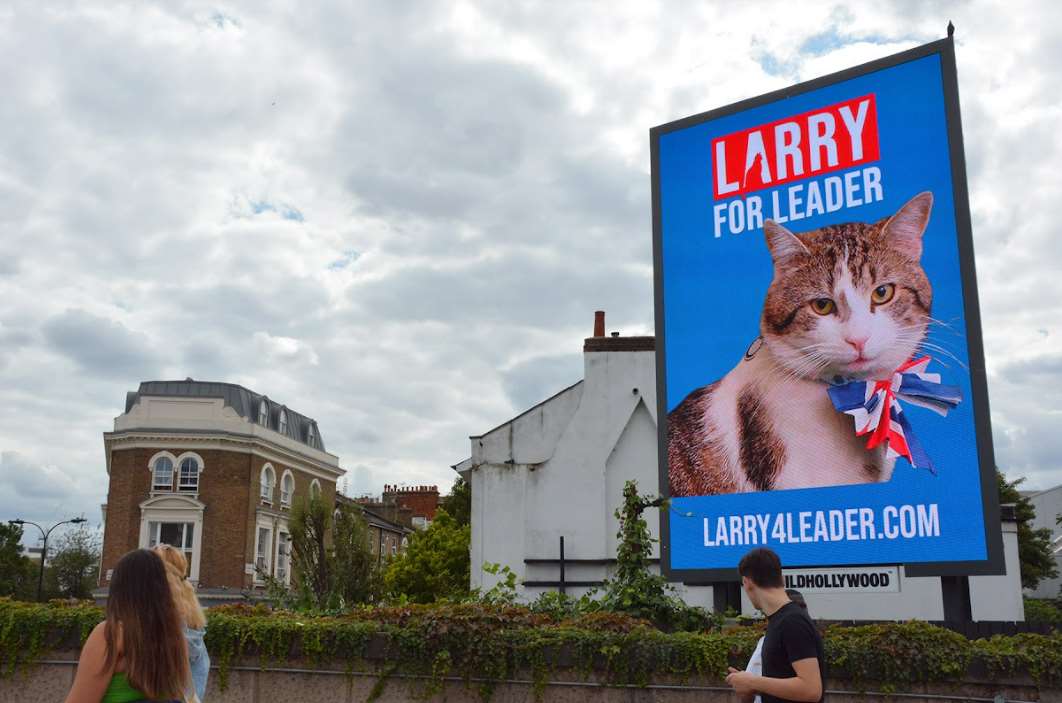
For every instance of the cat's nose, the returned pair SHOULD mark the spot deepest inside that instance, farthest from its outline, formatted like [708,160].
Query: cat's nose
[857,343]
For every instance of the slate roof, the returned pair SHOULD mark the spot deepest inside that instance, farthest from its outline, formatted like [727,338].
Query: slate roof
[245,402]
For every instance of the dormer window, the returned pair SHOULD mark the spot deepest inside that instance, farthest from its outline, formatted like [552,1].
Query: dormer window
[268,480]
[263,413]
[282,423]
[309,435]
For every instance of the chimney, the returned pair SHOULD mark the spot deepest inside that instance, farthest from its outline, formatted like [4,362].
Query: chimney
[599,323]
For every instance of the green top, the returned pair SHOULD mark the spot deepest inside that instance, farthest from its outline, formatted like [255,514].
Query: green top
[121,691]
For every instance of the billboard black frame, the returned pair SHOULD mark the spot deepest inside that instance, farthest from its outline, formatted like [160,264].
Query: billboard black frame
[945,48]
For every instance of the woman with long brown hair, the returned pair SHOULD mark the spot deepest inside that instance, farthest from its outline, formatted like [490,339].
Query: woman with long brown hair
[191,614]
[139,651]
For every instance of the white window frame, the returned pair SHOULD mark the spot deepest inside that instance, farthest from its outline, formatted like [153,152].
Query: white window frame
[186,545]
[315,489]
[174,507]
[155,486]
[265,488]
[200,464]
[283,537]
[286,500]
[263,413]
[265,553]
[282,422]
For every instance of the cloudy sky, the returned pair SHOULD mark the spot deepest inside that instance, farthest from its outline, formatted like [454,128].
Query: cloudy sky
[399,217]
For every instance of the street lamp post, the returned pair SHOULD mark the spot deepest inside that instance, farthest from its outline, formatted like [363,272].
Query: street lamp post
[44,546]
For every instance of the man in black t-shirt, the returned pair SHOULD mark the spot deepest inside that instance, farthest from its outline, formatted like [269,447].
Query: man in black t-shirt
[792,647]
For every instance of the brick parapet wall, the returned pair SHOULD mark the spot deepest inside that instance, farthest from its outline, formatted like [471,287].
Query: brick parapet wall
[281,682]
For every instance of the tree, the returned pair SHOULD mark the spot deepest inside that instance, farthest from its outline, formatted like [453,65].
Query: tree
[71,571]
[309,525]
[435,565]
[354,566]
[15,568]
[332,562]
[459,503]
[1034,546]
[637,591]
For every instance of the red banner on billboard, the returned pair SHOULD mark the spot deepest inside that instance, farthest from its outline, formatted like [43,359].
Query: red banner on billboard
[819,141]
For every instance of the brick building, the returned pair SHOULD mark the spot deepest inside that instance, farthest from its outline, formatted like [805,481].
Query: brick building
[213,469]
[398,514]
[422,501]
[387,536]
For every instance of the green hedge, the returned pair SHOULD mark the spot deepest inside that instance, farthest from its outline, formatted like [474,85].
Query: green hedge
[494,643]
[1038,610]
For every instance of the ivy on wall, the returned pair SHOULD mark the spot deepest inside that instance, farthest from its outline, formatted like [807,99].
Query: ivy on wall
[496,642]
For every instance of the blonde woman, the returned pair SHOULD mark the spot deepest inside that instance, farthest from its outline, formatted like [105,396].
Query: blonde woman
[191,612]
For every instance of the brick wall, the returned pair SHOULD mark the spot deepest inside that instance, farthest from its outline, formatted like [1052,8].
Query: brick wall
[422,500]
[229,488]
[399,514]
[130,482]
[381,546]
[223,489]
[255,503]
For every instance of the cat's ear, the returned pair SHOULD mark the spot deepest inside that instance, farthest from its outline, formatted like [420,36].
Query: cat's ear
[904,229]
[784,245]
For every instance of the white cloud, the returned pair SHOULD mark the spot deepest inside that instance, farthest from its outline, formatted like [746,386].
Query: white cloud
[398,218]
[284,351]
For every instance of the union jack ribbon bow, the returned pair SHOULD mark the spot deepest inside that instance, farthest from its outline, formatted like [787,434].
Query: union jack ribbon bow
[875,407]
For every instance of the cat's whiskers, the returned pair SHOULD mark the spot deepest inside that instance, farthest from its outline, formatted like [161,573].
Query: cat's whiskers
[941,350]
[810,363]
[920,342]
[941,323]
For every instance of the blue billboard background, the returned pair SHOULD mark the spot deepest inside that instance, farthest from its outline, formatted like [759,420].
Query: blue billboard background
[713,297]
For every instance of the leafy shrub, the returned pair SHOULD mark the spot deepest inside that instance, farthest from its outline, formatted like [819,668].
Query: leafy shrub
[898,653]
[491,642]
[1049,611]
[1037,655]
[556,605]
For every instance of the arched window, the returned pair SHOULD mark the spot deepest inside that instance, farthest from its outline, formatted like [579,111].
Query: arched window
[162,472]
[263,413]
[188,479]
[282,423]
[268,480]
[315,489]
[287,489]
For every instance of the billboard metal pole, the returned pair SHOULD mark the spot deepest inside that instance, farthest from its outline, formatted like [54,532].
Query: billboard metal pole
[562,586]
[956,593]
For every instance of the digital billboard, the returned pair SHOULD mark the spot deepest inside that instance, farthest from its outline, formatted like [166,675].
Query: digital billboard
[819,357]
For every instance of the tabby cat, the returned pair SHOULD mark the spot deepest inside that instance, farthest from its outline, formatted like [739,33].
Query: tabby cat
[847,301]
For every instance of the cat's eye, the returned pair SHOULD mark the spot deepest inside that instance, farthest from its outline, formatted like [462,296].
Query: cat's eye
[823,306]
[883,294]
